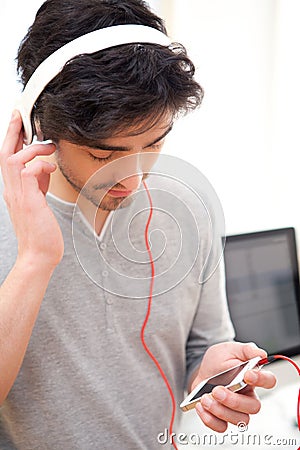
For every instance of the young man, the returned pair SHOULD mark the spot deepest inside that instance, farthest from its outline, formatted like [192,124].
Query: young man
[74,373]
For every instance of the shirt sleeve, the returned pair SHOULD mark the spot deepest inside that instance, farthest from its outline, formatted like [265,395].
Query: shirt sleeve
[212,323]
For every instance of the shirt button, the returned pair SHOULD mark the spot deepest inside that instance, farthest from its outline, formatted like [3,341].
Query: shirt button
[105,273]
[109,301]
[103,246]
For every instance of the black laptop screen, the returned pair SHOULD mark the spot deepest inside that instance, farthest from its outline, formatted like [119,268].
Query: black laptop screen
[262,282]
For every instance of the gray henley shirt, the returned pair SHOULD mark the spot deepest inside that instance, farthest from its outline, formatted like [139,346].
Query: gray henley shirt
[86,382]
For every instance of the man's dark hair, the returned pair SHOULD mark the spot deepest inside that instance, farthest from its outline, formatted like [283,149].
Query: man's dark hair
[106,92]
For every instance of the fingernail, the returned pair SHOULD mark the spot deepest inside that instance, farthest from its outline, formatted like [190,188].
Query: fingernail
[219,394]
[206,401]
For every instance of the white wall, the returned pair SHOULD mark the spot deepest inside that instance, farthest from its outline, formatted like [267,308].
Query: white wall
[245,136]
[15,18]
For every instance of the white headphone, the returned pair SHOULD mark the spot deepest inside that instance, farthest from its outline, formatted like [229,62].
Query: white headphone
[88,43]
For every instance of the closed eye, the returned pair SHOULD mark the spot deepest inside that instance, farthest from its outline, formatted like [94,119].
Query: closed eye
[101,158]
[106,155]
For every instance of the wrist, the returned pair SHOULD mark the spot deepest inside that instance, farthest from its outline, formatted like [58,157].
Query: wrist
[34,265]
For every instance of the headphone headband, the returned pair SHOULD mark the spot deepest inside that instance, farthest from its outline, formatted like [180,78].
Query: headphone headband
[88,43]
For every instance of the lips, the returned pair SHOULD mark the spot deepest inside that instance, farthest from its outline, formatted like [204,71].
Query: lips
[117,193]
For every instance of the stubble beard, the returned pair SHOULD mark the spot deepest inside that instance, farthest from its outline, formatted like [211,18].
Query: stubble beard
[97,195]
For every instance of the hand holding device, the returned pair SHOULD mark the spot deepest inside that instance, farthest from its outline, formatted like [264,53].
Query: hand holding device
[223,406]
[232,379]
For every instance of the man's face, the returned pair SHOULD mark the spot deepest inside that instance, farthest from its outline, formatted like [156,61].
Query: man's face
[112,178]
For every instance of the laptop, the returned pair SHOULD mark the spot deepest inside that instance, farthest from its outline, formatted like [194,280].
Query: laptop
[262,284]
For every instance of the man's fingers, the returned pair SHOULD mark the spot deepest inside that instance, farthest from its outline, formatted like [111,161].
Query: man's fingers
[29,153]
[15,163]
[263,378]
[211,421]
[31,175]
[251,350]
[13,141]
[20,143]
[248,404]
[223,412]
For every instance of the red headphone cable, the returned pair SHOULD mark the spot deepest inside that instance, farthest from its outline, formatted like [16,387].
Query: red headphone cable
[262,362]
[142,335]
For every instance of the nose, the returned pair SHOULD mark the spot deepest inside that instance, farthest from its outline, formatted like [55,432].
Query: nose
[132,183]
[130,172]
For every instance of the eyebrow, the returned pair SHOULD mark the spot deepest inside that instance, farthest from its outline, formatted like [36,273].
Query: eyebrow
[113,148]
